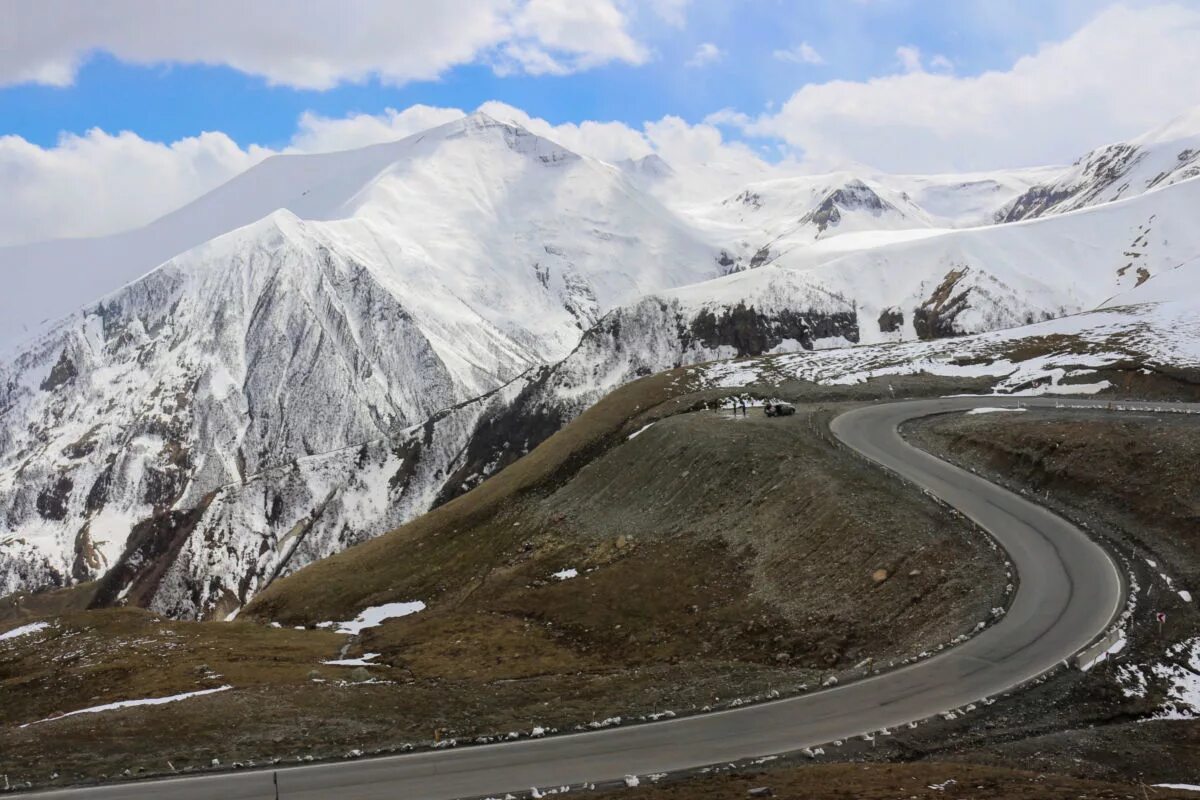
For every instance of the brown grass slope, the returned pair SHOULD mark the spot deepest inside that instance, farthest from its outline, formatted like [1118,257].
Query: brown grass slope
[729,547]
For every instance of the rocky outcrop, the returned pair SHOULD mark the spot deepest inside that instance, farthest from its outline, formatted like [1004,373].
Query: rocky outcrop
[936,317]
[891,320]
[1113,172]
[854,196]
[750,332]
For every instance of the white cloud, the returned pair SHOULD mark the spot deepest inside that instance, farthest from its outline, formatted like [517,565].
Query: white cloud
[698,148]
[1127,70]
[315,45]
[940,63]
[728,117]
[911,60]
[318,134]
[611,141]
[673,12]
[593,32]
[706,53]
[909,57]
[98,183]
[803,53]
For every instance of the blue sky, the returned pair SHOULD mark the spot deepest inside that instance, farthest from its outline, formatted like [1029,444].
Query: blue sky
[157,103]
[857,40]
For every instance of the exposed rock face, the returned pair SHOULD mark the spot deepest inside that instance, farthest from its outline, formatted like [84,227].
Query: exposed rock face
[1111,173]
[52,501]
[649,336]
[935,318]
[752,333]
[854,196]
[891,320]
[62,372]
[190,382]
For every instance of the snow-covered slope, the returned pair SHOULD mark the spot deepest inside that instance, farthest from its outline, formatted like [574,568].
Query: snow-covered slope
[1159,158]
[968,200]
[421,282]
[943,284]
[472,179]
[766,219]
[968,280]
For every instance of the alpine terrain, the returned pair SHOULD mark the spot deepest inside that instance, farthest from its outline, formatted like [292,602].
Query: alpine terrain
[330,345]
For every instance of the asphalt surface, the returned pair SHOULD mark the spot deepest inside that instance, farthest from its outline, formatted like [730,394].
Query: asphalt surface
[1069,591]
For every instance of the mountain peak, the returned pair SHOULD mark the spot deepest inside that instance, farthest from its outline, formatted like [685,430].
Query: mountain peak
[1184,126]
[481,125]
[652,166]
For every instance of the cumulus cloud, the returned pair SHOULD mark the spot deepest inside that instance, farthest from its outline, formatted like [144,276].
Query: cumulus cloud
[689,148]
[99,183]
[803,53]
[316,45]
[673,12]
[912,60]
[319,134]
[909,57]
[706,53]
[941,63]
[1125,71]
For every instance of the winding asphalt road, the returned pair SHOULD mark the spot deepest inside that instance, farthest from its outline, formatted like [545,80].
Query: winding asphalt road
[1069,592]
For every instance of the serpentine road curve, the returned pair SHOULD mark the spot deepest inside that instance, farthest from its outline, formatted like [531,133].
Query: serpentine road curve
[1069,592]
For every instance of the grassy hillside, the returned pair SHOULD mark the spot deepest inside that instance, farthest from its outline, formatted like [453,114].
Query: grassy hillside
[703,535]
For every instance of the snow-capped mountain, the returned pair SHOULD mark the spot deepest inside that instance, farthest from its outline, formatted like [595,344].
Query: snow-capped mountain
[944,284]
[1159,158]
[765,220]
[652,168]
[329,345]
[466,191]
[422,281]
[971,199]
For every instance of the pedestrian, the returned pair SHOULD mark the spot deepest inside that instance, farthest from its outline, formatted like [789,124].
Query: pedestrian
[743,406]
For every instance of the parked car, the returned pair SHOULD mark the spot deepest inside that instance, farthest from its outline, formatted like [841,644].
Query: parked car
[779,409]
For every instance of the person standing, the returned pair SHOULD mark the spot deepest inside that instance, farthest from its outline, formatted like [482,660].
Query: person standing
[743,406]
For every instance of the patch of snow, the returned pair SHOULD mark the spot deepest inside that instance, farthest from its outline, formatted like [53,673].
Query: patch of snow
[1187,787]
[152,701]
[374,616]
[991,410]
[1184,682]
[640,431]
[732,374]
[1116,647]
[362,661]
[1185,595]
[566,574]
[24,630]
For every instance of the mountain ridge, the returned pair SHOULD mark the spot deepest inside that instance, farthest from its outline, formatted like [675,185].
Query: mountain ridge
[326,372]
